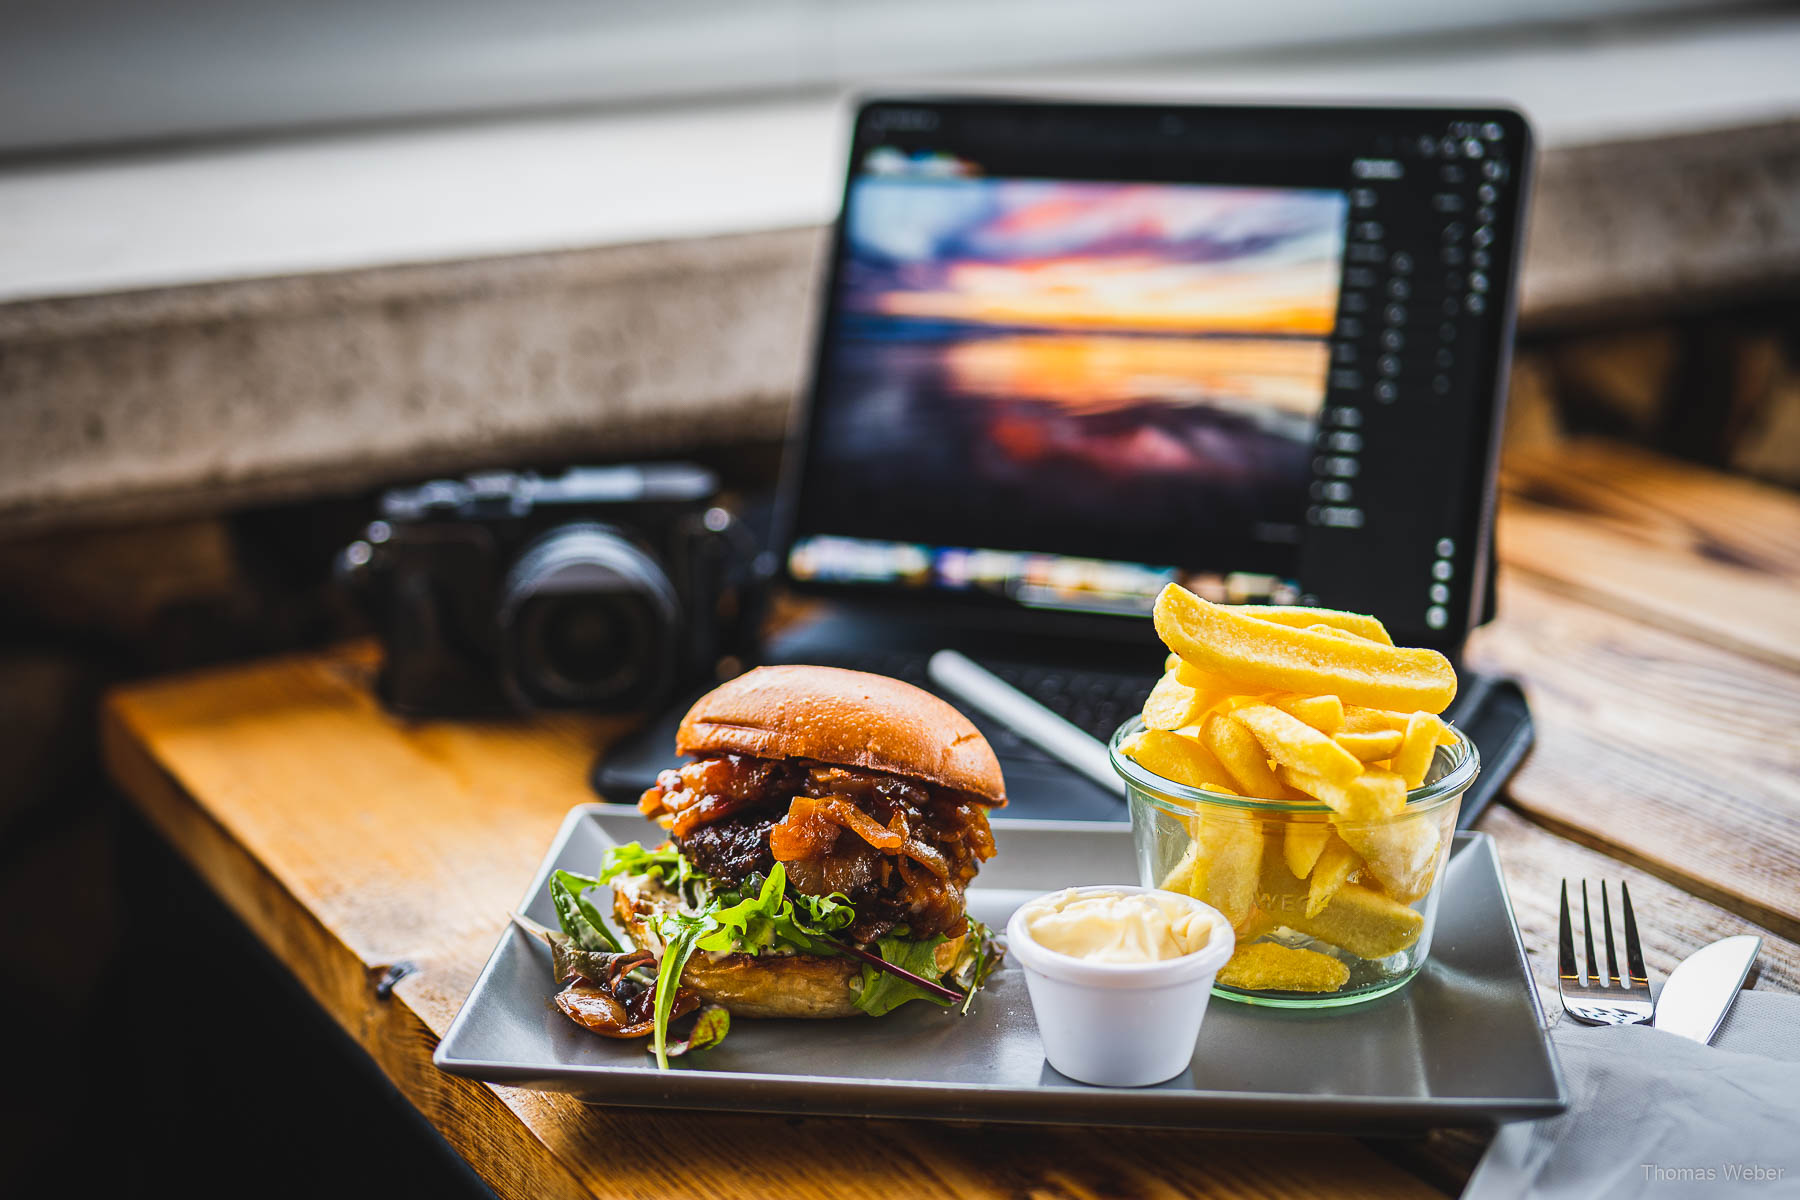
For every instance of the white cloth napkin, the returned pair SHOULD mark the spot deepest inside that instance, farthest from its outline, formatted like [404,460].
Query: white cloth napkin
[1655,1115]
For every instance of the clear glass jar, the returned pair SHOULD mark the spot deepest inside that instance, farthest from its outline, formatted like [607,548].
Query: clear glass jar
[1362,894]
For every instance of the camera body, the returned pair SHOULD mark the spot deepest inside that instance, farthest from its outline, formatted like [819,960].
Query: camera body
[601,588]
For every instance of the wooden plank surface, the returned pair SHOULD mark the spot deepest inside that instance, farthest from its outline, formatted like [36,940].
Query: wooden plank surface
[349,841]
[1705,555]
[1676,755]
[1673,923]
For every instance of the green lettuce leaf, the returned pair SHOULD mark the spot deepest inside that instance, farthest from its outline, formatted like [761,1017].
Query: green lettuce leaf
[664,864]
[578,916]
[632,858]
[755,919]
[762,917]
[879,992]
[706,1027]
[678,947]
[981,954]
[769,918]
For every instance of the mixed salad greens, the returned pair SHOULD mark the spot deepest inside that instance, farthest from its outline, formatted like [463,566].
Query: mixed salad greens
[763,916]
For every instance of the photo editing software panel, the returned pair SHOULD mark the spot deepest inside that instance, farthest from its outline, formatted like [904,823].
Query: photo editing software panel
[1074,353]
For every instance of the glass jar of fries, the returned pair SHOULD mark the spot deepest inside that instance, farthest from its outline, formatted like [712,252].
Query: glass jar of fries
[1327,910]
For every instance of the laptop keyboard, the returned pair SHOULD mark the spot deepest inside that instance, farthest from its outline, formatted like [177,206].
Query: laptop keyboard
[1097,701]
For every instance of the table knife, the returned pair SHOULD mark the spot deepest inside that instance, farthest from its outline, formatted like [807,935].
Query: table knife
[1699,992]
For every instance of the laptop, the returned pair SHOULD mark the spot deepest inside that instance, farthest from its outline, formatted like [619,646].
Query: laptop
[1071,352]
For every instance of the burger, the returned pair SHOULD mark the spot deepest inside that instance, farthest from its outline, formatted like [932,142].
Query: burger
[821,842]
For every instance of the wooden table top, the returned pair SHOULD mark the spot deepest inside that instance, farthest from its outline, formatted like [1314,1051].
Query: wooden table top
[1649,609]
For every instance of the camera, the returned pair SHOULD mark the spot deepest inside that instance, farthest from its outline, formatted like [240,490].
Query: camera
[602,588]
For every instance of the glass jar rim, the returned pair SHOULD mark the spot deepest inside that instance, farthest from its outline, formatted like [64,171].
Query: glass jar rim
[1465,766]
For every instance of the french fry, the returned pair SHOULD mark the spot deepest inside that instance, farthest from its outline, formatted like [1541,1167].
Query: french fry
[1169,705]
[1420,741]
[1372,746]
[1280,894]
[1181,876]
[1336,863]
[1323,713]
[1285,704]
[1370,796]
[1301,844]
[1293,743]
[1193,676]
[1173,704]
[1265,656]
[1371,720]
[1367,628]
[1228,864]
[1253,926]
[1333,631]
[1272,967]
[1172,756]
[1363,921]
[1242,755]
[1358,719]
[1401,855]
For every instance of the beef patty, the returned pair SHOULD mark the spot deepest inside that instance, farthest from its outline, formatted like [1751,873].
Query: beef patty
[900,850]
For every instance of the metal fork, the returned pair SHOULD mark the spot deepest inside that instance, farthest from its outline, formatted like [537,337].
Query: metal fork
[1596,999]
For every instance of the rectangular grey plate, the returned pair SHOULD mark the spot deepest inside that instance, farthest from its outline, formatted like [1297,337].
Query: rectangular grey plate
[1462,1044]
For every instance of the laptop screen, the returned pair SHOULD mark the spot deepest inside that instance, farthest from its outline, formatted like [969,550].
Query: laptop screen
[1072,353]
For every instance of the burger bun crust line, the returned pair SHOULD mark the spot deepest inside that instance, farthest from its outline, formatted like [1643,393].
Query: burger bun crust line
[846,717]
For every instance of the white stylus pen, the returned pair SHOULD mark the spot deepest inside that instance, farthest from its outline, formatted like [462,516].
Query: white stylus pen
[964,678]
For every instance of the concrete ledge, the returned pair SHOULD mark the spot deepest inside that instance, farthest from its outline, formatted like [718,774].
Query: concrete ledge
[1663,224]
[208,397]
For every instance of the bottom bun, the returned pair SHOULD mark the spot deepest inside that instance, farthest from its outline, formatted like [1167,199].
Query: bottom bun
[775,985]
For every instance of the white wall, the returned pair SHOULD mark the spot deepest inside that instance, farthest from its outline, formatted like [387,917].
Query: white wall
[96,71]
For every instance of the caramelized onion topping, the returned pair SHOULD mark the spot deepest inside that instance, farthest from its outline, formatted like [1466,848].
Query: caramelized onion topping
[804,833]
[618,1011]
[841,812]
[903,851]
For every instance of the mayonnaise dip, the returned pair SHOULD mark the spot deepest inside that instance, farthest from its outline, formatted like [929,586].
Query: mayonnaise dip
[1117,927]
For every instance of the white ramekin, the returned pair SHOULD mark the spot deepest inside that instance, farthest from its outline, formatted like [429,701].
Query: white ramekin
[1120,1024]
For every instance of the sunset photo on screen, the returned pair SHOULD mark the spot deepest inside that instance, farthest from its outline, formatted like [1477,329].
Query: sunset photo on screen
[1067,347]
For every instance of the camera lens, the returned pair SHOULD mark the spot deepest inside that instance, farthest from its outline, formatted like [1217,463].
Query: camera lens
[587,645]
[587,619]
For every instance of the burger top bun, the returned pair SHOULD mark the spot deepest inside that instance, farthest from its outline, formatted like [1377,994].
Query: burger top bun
[850,718]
